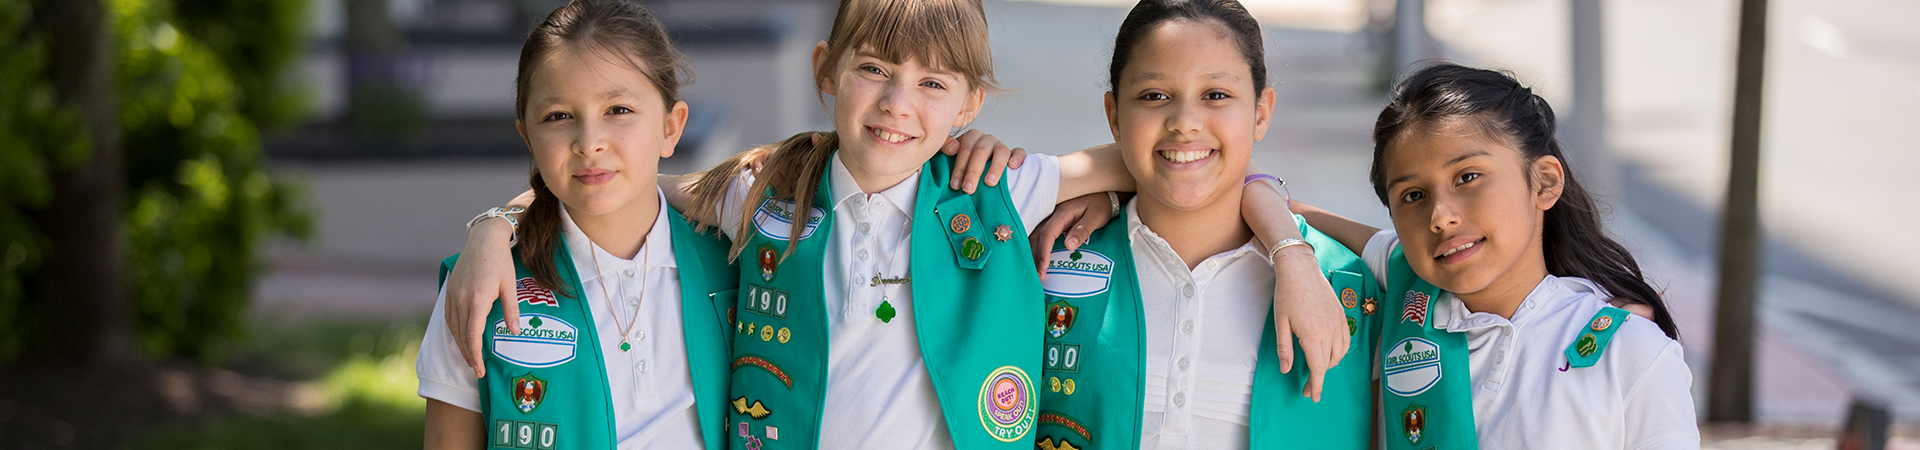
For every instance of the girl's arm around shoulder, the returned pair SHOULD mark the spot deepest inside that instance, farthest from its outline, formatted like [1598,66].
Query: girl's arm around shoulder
[1352,234]
[1658,388]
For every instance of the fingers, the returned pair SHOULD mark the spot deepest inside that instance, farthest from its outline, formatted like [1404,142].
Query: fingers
[951,147]
[1018,158]
[964,157]
[1317,372]
[1042,239]
[1283,339]
[999,164]
[470,343]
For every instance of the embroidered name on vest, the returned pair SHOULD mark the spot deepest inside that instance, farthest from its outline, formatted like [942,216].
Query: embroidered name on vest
[1077,273]
[775,219]
[544,341]
[1412,367]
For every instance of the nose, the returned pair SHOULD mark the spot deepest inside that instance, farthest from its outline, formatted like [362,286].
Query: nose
[591,138]
[1446,214]
[894,99]
[1185,119]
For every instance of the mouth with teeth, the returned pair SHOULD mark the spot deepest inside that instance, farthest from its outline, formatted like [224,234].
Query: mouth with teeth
[1185,156]
[888,136]
[1460,252]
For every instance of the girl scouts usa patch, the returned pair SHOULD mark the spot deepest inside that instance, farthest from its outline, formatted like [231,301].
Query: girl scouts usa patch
[1412,367]
[1077,273]
[775,219]
[1007,409]
[544,341]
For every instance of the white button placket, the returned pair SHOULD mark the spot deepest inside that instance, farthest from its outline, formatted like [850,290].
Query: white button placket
[1182,380]
[642,351]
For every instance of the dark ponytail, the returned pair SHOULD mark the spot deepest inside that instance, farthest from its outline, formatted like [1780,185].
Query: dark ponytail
[1573,240]
[1146,14]
[616,27]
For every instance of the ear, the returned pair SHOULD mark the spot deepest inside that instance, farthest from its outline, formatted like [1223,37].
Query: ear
[1113,115]
[676,126]
[820,60]
[521,126]
[1549,180]
[974,102]
[1263,113]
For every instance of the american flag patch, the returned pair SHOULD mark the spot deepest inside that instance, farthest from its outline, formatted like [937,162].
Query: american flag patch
[533,294]
[1416,309]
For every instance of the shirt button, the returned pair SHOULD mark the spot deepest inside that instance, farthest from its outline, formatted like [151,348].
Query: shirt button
[642,336]
[862,255]
[633,301]
[1183,364]
[1186,290]
[628,273]
[1180,399]
[641,366]
[1213,265]
[865,227]
[1186,326]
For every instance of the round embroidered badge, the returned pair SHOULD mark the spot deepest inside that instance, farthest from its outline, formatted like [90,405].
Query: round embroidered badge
[1006,404]
[1602,323]
[961,223]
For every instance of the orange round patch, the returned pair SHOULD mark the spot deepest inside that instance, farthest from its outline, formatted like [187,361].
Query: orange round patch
[1602,323]
[961,223]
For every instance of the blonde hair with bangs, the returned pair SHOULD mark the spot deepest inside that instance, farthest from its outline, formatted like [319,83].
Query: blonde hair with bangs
[947,34]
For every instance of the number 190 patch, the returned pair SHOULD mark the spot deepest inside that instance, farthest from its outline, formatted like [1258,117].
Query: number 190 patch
[1062,358]
[765,301]
[527,435]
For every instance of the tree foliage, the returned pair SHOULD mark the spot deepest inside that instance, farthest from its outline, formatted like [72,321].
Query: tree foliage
[195,87]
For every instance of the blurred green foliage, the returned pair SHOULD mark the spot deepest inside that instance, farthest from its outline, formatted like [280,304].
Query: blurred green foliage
[196,86]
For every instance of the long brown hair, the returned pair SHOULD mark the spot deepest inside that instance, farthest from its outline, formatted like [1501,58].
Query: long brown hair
[1573,240]
[942,33]
[618,28]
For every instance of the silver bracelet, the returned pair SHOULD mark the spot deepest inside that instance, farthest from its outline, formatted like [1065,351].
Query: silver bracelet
[1284,243]
[1113,199]
[504,214]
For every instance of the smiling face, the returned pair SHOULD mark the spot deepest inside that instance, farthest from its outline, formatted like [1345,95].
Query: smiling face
[892,117]
[1186,114]
[597,129]
[1469,209]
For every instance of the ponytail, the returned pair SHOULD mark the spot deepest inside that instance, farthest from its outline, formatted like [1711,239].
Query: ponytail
[538,232]
[790,170]
[1573,240]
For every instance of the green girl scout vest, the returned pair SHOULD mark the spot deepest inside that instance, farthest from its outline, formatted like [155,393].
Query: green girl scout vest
[1426,392]
[975,296]
[546,388]
[1094,362]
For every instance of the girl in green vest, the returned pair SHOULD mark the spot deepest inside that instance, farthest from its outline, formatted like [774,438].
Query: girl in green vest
[1498,277]
[878,309]
[622,338]
[1157,333]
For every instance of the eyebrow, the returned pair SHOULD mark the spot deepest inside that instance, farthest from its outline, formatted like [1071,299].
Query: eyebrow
[1450,162]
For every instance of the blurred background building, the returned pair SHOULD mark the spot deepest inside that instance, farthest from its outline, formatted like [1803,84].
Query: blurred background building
[402,131]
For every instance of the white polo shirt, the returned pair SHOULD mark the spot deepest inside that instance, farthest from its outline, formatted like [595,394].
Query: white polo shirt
[879,394]
[1636,397]
[1203,330]
[651,387]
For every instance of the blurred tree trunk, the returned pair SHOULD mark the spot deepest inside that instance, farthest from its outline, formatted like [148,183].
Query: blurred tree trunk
[83,287]
[1730,386]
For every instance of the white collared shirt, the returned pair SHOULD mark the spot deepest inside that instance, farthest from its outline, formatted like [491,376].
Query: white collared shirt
[1203,340]
[650,384]
[1636,397]
[879,394]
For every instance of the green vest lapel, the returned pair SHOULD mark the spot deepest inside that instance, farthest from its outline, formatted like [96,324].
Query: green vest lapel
[546,388]
[976,300]
[1426,388]
[1094,362]
[779,366]
[707,289]
[1343,417]
[973,311]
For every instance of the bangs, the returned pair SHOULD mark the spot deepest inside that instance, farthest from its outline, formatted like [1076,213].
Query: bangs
[948,35]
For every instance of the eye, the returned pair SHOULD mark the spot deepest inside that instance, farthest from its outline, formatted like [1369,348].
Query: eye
[935,84]
[556,116]
[869,68]
[1412,196]
[619,110]
[1154,97]
[1466,177]
[1216,95]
